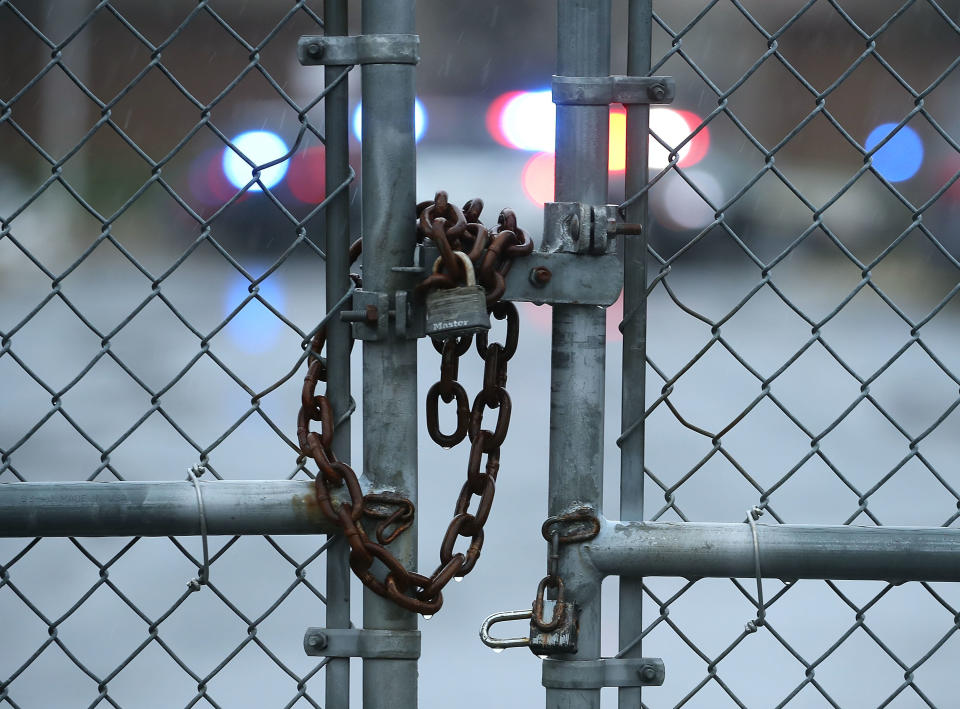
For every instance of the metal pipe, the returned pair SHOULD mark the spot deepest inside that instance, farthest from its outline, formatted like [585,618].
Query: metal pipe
[788,551]
[339,339]
[633,387]
[579,331]
[389,364]
[160,509]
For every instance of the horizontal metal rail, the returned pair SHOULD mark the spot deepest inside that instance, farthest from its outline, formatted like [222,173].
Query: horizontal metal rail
[788,551]
[160,509]
[680,549]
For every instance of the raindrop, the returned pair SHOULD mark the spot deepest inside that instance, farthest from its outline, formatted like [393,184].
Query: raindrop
[427,617]
[542,657]
[498,649]
[458,579]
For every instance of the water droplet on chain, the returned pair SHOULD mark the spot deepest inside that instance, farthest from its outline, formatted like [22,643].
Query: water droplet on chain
[498,649]
[458,579]
[428,616]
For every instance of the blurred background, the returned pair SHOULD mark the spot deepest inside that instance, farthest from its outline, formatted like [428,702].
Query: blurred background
[804,310]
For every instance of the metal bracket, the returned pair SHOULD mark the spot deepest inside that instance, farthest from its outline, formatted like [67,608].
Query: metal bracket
[368,644]
[320,50]
[371,314]
[604,90]
[605,672]
[554,278]
[582,228]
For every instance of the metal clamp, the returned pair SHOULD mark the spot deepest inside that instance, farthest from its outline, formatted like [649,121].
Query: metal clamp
[317,50]
[582,228]
[539,277]
[370,315]
[604,90]
[604,672]
[368,644]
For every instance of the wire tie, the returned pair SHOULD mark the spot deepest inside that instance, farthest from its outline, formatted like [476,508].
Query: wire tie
[193,475]
[753,515]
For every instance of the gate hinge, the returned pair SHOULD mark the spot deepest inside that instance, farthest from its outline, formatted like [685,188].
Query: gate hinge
[368,644]
[315,50]
[604,90]
[605,672]
[582,228]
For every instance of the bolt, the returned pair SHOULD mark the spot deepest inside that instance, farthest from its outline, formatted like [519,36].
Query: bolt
[315,49]
[540,276]
[370,315]
[647,673]
[318,641]
[657,92]
[626,229]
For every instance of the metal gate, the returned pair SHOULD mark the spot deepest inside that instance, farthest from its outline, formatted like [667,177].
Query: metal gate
[788,371]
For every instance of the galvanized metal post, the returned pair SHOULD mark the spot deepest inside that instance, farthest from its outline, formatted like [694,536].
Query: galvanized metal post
[579,331]
[389,364]
[337,170]
[633,387]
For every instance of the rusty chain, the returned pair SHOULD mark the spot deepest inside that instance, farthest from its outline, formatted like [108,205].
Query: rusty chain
[578,525]
[491,253]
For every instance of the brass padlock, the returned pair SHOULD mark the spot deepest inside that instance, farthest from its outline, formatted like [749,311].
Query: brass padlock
[457,311]
[554,625]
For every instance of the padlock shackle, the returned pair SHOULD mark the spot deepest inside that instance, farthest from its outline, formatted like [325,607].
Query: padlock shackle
[467,267]
[501,643]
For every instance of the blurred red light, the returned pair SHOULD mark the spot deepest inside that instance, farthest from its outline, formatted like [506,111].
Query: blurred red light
[537,178]
[306,175]
[493,117]
[700,144]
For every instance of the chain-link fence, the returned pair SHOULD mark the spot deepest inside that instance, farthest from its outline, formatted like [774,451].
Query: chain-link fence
[802,345]
[148,257]
[157,282]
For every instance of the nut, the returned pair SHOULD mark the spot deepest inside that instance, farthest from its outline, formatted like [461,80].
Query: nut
[540,276]
[657,92]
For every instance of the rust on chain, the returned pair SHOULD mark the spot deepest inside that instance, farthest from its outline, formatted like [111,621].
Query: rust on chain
[392,509]
[538,604]
[579,525]
[453,230]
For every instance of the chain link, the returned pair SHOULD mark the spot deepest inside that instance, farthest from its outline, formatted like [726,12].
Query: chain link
[452,230]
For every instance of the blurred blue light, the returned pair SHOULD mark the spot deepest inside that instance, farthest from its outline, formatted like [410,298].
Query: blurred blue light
[254,328]
[900,158]
[419,120]
[260,146]
[528,121]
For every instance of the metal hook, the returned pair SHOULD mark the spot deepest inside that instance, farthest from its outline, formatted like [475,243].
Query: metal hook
[501,643]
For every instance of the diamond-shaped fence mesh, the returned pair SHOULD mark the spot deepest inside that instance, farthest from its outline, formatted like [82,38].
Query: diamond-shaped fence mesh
[802,348]
[146,257]
[802,339]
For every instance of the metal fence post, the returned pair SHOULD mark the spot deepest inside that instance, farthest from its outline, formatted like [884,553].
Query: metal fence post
[389,364]
[633,387]
[337,170]
[579,331]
